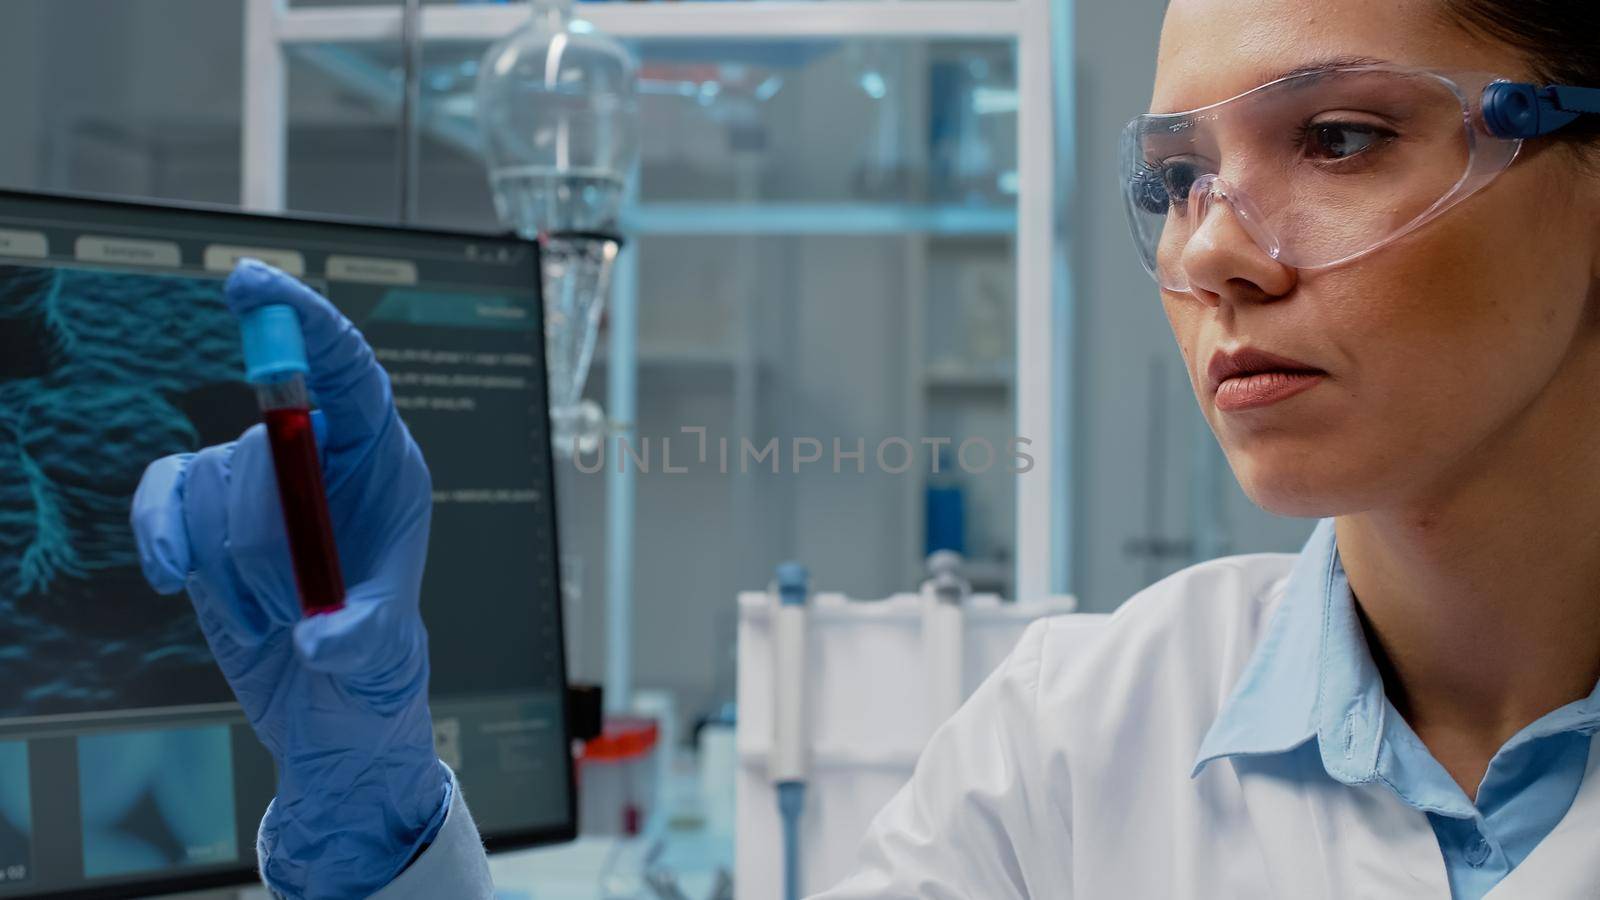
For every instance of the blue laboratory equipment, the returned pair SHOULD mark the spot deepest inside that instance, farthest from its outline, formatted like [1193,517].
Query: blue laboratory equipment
[946,510]
[788,764]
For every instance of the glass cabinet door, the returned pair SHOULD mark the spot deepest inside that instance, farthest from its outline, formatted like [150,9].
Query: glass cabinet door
[121,99]
[823,261]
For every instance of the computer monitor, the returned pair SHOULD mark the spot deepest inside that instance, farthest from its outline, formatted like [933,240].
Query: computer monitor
[125,767]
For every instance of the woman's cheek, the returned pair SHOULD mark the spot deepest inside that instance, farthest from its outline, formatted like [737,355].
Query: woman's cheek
[1185,321]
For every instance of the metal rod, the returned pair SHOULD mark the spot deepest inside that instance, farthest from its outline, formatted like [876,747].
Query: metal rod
[264,126]
[1064,356]
[622,396]
[1036,405]
[409,148]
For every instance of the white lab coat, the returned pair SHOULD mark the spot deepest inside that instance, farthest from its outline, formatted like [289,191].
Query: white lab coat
[1067,775]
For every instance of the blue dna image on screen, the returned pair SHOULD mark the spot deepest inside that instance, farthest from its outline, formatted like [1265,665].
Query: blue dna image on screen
[152,800]
[100,373]
[16,813]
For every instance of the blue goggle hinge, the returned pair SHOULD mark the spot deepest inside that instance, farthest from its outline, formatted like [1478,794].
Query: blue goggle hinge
[1514,109]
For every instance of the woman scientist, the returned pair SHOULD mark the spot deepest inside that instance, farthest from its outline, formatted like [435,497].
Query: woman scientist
[1376,229]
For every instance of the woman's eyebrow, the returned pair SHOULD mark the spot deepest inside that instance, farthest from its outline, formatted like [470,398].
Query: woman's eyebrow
[1316,67]
[1325,65]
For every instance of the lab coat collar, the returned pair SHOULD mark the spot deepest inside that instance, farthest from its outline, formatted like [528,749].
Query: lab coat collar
[1351,704]
[1275,706]
[1312,675]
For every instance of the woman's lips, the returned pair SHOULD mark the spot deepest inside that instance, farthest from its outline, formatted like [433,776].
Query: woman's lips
[1247,377]
[1256,390]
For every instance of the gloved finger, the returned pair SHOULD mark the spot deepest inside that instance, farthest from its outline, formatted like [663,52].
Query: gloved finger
[349,385]
[214,584]
[376,644]
[157,519]
[375,519]
[258,542]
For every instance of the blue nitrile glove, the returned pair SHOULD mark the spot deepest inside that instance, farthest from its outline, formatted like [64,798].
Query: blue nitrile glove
[341,699]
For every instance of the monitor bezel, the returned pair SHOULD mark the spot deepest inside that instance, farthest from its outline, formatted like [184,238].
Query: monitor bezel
[125,888]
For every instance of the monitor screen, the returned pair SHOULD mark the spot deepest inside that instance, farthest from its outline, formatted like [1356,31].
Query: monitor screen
[125,767]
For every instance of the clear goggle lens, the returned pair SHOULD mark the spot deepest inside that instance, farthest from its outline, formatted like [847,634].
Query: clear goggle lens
[1317,169]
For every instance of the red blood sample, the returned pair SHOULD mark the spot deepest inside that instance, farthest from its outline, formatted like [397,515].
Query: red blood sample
[305,510]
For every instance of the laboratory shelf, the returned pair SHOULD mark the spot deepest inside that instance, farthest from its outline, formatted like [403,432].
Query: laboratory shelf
[987,574]
[670,218]
[678,358]
[693,19]
[361,75]
[968,377]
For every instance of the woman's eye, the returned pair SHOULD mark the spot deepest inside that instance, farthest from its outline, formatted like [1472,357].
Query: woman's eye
[1149,191]
[1179,178]
[1159,187]
[1341,140]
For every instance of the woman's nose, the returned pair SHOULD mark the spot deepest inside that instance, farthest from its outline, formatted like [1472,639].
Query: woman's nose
[1230,252]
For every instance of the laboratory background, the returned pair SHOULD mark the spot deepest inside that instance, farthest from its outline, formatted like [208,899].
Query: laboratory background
[863,220]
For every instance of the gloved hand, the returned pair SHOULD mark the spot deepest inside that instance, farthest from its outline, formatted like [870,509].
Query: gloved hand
[339,699]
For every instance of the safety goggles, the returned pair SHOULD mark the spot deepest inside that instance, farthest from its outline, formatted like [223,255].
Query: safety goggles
[1326,166]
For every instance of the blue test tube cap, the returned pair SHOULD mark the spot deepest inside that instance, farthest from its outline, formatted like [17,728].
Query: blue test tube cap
[274,347]
[793,584]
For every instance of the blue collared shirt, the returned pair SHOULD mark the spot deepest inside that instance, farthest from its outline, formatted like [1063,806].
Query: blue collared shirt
[1312,677]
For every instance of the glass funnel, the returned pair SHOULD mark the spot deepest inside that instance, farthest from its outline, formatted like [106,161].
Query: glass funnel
[558,108]
[577,277]
[557,105]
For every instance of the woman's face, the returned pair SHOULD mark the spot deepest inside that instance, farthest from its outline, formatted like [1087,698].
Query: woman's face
[1470,336]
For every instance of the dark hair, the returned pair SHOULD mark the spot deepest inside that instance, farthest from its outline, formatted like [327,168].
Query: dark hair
[1559,38]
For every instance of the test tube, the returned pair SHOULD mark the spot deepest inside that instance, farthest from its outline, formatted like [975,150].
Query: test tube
[275,363]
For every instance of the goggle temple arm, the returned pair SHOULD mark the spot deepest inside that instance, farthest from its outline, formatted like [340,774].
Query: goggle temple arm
[1516,110]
